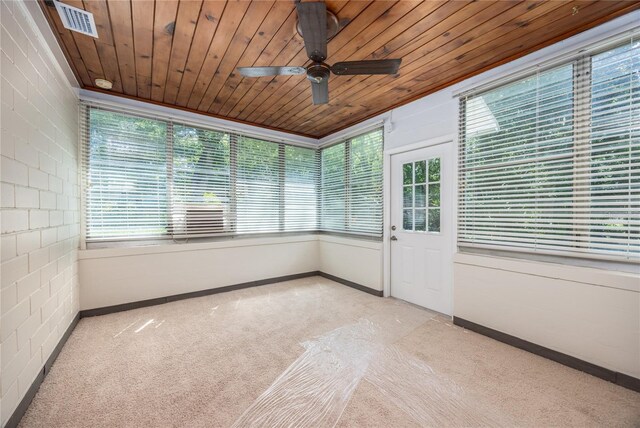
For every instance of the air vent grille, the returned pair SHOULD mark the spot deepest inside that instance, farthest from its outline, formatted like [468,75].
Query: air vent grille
[76,19]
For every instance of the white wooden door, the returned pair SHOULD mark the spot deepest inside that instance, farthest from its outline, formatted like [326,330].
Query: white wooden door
[422,227]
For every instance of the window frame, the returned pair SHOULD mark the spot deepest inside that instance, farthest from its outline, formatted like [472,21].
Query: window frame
[348,228]
[171,236]
[582,94]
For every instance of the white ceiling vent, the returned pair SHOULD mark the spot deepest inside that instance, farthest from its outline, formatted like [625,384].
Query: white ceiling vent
[77,19]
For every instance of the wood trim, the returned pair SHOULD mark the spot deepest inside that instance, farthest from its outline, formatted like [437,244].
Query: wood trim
[621,379]
[19,412]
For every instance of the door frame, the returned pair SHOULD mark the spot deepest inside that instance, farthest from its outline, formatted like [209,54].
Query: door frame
[450,139]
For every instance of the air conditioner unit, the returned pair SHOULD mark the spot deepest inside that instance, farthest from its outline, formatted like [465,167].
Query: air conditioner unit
[204,219]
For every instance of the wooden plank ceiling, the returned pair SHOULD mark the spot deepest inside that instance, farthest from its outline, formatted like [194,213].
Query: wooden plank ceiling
[184,53]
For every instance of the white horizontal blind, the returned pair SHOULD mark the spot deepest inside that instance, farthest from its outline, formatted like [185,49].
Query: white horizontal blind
[125,176]
[200,182]
[333,185]
[300,188]
[365,183]
[351,185]
[549,163]
[258,185]
[613,167]
[147,178]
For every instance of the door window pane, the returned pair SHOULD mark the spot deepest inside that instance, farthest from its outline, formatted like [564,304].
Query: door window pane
[408,196]
[407,220]
[421,171]
[421,220]
[434,169]
[434,195]
[421,197]
[407,173]
[434,220]
[417,195]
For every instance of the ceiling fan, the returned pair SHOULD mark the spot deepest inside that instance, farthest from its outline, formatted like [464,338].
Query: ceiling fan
[312,24]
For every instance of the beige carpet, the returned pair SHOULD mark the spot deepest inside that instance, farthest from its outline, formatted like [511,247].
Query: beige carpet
[309,352]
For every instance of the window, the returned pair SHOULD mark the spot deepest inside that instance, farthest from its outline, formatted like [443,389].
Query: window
[300,188]
[201,182]
[258,186]
[334,190]
[613,170]
[147,178]
[551,163]
[421,196]
[351,185]
[365,184]
[126,177]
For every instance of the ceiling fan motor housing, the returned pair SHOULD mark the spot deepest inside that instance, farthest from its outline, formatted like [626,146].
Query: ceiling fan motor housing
[318,72]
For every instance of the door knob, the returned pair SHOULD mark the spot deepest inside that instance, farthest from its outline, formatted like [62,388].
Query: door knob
[393,228]
[393,238]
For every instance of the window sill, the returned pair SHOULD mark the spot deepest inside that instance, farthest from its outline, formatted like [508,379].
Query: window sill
[351,240]
[599,276]
[131,248]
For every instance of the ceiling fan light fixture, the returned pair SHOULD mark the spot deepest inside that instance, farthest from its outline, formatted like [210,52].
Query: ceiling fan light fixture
[103,84]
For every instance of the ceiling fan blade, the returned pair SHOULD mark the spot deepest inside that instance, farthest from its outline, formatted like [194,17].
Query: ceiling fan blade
[313,24]
[271,71]
[379,66]
[320,91]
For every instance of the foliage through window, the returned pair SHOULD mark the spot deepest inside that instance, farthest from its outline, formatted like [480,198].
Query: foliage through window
[300,188]
[421,196]
[351,185]
[201,182]
[126,177]
[146,178]
[551,163]
[258,186]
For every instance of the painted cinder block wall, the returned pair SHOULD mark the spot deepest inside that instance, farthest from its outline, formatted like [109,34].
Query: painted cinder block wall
[40,206]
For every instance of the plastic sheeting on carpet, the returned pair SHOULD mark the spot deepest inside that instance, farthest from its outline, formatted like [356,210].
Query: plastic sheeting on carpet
[315,390]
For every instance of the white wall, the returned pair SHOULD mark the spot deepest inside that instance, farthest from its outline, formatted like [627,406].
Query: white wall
[567,311]
[355,260]
[591,314]
[39,189]
[113,276]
